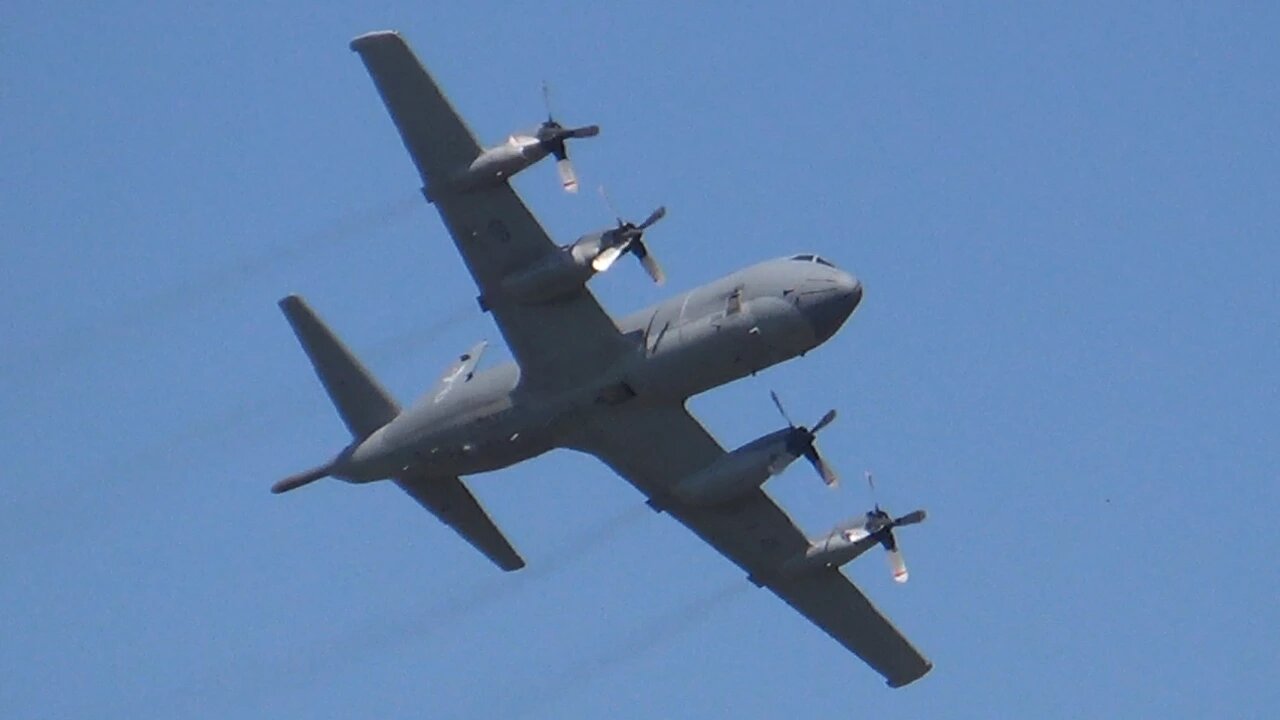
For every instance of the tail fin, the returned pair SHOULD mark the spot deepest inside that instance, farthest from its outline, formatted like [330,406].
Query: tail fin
[363,404]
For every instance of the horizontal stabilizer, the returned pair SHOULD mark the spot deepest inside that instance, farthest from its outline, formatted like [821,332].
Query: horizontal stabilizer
[363,404]
[448,499]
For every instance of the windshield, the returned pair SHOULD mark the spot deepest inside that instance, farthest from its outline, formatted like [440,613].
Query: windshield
[811,258]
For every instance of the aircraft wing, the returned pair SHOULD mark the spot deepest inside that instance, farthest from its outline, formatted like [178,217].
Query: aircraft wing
[655,446]
[450,501]
[555,344]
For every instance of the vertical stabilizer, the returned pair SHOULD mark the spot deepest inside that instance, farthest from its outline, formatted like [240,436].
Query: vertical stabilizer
[363,404]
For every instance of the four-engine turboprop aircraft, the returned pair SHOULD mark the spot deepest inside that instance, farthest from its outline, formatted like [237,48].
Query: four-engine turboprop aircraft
[615,390]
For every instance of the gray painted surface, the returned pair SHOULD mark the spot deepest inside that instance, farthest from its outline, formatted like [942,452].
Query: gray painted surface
[581,380]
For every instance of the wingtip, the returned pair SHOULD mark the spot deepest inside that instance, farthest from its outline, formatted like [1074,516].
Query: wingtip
[360,42]
[907,681]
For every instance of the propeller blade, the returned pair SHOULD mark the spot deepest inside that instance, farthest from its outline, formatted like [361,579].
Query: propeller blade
[825,421]
[607,258]
[546,99]
[604,195]
[778,403]
[654,217]
[583,132]
[651,266]
[910,518]
[828,474]
[897,565]
[825,471]
[568,178]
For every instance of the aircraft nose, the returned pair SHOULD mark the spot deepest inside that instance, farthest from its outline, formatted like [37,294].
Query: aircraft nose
[835,306]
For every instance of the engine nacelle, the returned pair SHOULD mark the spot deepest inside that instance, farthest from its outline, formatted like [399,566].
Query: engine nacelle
[841,546]
[558,275]
[494,166]
[498,164]
[738,472]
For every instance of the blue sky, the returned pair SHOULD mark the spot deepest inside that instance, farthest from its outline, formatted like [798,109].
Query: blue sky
[1064,216]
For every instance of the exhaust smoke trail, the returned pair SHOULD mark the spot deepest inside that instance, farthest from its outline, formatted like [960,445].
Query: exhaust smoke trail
[252,681]
[271,408]
[582,544]
[359,225]
[78,337]
[204,424]
[644,638]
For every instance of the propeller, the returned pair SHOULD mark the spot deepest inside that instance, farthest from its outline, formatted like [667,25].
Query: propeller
[801,441]
[880,521]
[551,136]
[627,237]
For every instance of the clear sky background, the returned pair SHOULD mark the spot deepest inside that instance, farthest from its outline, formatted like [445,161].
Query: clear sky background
[1065,218]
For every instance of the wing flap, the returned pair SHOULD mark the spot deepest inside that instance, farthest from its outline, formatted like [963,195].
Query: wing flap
[450,501]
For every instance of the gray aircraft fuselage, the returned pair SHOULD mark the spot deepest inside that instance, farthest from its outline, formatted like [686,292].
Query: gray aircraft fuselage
[707,337]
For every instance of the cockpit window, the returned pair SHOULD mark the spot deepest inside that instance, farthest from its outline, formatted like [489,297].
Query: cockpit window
[811,258]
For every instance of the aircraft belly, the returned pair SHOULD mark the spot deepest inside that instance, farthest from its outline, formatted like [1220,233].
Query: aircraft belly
[468,442]
[479,451]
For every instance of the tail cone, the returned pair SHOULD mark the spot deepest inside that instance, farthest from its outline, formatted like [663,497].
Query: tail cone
[296,481]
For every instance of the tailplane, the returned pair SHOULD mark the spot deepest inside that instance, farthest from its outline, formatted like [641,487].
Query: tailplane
[363,404]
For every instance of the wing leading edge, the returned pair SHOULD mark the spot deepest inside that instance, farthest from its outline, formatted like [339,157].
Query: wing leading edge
[655,446]
[556,344]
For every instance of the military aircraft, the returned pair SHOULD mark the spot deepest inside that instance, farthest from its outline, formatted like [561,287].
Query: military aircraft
[613,389]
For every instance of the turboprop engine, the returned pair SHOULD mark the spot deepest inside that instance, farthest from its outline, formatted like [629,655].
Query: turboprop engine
[521,150]
[853,538]
[738,472]
[557,275]
[745,469]
[564,272]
